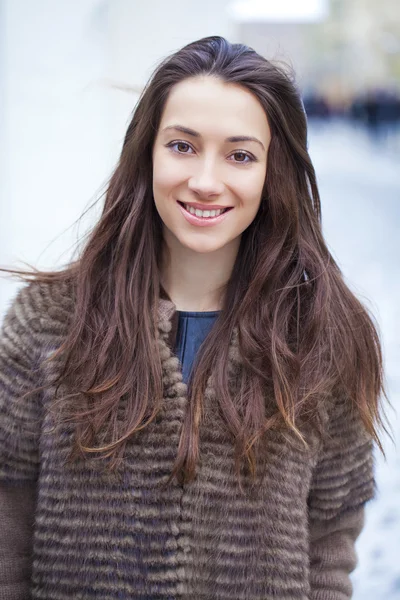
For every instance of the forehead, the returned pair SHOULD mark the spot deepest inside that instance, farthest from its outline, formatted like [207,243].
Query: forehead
[214,107]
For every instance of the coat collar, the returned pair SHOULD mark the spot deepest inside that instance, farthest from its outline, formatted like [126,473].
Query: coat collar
[168,319]
[166,308]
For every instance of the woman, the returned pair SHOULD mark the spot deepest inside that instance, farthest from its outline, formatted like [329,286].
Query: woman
[189,408]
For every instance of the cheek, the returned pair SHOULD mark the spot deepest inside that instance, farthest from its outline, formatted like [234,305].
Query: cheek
[250,194]
[166,174]
[248,186]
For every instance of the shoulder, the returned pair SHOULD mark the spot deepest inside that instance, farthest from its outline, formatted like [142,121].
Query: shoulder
[37,298]
[37,309]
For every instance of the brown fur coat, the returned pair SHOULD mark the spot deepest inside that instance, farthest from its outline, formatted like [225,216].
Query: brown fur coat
[68,532]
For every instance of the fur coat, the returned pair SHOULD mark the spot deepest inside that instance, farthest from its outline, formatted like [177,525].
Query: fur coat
[70,532]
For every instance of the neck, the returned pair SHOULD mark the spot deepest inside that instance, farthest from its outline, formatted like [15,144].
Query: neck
[196,281]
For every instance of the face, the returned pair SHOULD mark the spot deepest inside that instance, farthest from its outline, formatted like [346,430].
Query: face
[209,155]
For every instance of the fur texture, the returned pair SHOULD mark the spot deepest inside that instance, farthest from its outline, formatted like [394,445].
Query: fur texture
[290,537]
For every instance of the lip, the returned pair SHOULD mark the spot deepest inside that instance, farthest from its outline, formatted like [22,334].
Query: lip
[206,206]
[201,221]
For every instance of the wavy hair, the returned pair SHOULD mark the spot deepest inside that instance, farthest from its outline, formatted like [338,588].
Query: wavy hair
[301,331]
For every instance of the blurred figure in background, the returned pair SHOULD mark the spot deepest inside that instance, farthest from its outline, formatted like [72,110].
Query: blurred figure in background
[379,111]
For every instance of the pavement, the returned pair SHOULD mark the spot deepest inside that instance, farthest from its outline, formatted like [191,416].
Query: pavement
[359,182]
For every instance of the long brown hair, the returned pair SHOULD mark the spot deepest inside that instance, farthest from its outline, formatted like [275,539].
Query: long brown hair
[300,329]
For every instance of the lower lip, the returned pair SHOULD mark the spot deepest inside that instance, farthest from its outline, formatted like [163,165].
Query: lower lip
[203,221]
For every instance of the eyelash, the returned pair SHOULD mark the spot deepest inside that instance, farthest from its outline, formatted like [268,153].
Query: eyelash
[238,162]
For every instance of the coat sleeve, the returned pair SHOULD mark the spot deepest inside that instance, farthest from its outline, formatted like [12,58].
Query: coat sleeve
[20,422]
[343,481]
[17,507]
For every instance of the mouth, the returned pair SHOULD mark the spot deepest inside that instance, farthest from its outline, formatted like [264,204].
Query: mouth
[204,214]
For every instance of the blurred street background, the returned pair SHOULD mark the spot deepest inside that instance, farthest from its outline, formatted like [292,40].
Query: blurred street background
[70,74]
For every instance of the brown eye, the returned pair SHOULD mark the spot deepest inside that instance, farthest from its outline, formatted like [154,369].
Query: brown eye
[242,157]
[180,145]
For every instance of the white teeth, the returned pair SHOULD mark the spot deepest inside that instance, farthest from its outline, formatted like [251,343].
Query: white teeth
[203,213]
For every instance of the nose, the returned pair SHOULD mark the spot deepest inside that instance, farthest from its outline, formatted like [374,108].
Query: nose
[205,181]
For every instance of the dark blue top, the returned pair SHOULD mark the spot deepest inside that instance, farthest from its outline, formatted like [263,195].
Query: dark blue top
[193,328]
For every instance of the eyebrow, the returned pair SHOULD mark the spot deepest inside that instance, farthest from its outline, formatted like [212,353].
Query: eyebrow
[233,138]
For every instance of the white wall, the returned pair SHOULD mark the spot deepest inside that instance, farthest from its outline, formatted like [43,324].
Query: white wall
[63,117]
[143,33]
[55,127]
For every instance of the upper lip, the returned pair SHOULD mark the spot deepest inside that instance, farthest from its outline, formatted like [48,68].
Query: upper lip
[204,206]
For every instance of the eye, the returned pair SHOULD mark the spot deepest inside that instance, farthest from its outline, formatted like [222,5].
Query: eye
[245,155]
[179,143]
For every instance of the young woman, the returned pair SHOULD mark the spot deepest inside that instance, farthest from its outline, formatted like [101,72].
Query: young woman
[188,410]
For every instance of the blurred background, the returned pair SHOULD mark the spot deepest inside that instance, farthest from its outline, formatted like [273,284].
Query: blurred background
[70,74]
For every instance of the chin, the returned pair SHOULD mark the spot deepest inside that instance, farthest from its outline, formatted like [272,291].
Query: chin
[203,248]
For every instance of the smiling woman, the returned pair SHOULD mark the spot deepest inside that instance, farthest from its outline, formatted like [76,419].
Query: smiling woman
[188,410]
[203,171]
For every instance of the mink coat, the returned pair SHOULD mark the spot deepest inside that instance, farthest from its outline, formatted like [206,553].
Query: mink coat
[70,532]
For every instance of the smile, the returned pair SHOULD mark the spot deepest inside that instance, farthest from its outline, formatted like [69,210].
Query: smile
[195,216]
[206,214]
